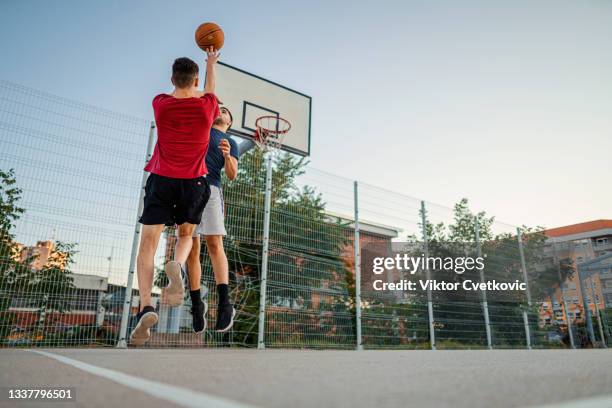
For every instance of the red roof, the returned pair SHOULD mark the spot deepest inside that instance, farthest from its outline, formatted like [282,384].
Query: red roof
[578,228]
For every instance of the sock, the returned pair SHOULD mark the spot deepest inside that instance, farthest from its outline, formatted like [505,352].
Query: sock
[195,296]
[223,291]
[144,310]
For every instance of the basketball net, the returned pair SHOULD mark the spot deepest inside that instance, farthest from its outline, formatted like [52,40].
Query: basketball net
[270,133]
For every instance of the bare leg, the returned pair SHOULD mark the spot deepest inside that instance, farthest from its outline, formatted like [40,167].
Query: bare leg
[194,267]
[146,256]
[214,244]
[183,244]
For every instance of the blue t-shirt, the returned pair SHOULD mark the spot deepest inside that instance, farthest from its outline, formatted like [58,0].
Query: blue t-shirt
[214,158]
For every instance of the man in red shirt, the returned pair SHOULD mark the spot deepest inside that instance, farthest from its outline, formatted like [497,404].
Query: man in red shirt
[176,191]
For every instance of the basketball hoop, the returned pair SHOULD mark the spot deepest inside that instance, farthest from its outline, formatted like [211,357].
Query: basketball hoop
[270,133]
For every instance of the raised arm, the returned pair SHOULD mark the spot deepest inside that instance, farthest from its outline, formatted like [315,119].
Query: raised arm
[229,150]
[211,60]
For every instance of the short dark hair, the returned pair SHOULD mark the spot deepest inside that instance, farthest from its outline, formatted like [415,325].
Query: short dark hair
[184,72]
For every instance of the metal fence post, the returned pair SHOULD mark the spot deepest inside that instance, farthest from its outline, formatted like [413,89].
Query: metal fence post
[357,246]
[585,304]
[485,306]
[601,332]
[264,257]
[127,301]
[528,293]
[432,334]
[570,331]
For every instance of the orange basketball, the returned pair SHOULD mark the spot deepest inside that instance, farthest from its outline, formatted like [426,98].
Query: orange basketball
[209,35]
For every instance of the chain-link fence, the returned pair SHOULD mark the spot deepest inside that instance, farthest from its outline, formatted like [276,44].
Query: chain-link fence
[70,183]
[301,244]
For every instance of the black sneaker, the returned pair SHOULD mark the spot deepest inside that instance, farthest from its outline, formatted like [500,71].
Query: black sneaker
[147,318]
[225,318]
[198,312]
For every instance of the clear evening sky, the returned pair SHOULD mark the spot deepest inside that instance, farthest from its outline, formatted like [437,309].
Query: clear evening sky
[506,103]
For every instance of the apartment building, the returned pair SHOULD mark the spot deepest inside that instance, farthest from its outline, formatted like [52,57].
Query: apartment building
[584,243]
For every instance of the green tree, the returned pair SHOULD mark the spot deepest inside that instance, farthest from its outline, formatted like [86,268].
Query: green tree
[458,314]
[10,269]
[49,288]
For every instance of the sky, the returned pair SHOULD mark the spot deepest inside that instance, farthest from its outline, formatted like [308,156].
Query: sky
[508,104]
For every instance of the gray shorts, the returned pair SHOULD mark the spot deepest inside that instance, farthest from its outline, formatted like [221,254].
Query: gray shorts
[213,217]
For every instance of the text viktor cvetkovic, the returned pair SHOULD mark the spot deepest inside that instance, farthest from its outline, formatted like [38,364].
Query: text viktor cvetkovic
[412,264]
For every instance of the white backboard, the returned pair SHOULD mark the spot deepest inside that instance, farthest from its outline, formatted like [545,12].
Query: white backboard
[249,96]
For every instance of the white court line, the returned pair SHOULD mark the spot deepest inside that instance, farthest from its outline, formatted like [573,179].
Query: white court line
[178,395]
[596,402]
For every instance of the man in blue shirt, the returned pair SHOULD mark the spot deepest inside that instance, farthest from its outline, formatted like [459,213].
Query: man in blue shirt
[222,155]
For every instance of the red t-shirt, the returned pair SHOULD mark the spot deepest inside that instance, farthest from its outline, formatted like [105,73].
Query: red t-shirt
[183,133]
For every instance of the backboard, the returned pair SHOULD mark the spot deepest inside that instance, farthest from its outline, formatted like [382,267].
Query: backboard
[249,96]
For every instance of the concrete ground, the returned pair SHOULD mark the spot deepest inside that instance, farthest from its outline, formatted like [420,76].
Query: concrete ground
[294,378]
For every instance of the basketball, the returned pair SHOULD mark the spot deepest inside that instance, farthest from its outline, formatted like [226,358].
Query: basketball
[209,35]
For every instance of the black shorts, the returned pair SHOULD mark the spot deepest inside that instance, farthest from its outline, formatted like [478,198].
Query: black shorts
[172,201]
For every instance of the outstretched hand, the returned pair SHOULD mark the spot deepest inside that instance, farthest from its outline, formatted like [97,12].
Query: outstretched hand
[212,55]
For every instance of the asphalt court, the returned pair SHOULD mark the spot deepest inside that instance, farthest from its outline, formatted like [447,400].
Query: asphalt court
[232,378]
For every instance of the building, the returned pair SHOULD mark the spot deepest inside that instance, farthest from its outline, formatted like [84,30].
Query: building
[373,238]
[42,254]
[85,303]
[90,300]
[581,243]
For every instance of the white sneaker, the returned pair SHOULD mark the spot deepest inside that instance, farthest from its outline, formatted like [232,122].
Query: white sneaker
[175,291]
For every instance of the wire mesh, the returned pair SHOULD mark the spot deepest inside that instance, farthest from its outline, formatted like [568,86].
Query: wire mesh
[310,275]
[70,178]
[71,173]
[389,320]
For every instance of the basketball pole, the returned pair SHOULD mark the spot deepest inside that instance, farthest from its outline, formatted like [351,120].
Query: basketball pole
[122,343]
[264,258]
